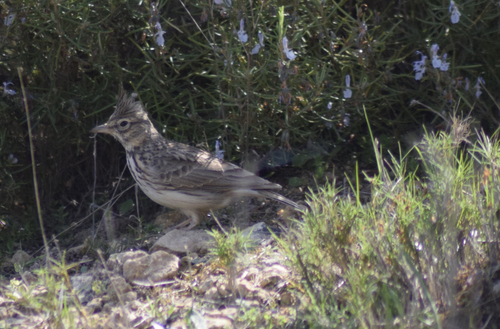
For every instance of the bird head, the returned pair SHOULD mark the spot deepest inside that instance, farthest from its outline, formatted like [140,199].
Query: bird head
[129,123]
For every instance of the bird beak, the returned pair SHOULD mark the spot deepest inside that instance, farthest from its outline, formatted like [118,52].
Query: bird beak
[103,129]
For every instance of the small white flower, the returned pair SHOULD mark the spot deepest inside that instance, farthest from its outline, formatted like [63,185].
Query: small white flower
[436,62]
[218,152]
[363,26]
[362,30]
[226,62]
[288,52]
[455,14]
[467,83]
[6,90]
[478,86]
[329,106]
[9,19]
[419,74]
[242,35]
[158,26]
[419,66]
[255,49]
[347,91]
[444,65]
[347,80]
[13,159]
[159,38]
[347,120]
[434,49]
[258,45]
[153,9]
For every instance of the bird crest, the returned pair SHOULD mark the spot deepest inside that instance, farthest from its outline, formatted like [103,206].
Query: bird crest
[129,106]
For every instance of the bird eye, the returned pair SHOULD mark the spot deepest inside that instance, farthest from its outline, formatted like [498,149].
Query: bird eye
[124,123]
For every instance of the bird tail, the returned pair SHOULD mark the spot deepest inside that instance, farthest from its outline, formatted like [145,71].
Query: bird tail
[280,198]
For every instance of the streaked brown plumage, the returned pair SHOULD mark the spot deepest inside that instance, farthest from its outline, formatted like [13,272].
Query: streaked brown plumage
[177,175]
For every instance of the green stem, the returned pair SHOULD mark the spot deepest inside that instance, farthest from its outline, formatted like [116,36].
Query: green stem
[33,166]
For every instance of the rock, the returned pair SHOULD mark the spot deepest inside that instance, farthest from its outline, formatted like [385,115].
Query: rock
[244,288]
[218,323]
[134,304]
[4,313]
[273,274]
[151,269]
[228,311]
[119,318]
[269,280]
[20,258]
[250,274]
[287,299]
[223,290]
[116,261]
[118,286]
[198,320]
[94,306]
[256,234]
[180,242]
[186,262]
[130,296]
[262,295]
[206,285]
[4,301]
[221,318]
[212,294]
[108,306]
[82,284]
[156,325]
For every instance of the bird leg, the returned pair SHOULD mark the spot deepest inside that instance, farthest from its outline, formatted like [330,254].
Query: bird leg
[184,223]
[195,218]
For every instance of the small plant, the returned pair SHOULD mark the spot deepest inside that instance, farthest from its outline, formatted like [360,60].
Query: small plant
[48,298]
[227,245]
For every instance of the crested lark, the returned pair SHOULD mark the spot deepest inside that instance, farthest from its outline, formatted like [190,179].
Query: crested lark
[177,175]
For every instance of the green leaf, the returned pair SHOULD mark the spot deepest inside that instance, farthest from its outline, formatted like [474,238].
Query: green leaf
[126,206]
[281,14]
[295,182]
[300,159]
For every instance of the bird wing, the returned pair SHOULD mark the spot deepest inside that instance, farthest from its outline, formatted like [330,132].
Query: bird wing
[186,167]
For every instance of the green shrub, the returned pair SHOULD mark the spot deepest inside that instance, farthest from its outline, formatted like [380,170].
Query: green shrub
[419,254]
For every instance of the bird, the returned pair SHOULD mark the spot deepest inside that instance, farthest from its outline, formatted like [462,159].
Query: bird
[177,175]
